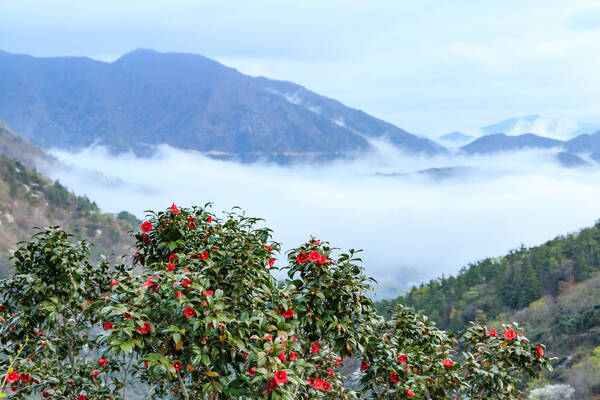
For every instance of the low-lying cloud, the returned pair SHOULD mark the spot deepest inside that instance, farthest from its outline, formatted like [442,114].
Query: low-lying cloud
[412,226]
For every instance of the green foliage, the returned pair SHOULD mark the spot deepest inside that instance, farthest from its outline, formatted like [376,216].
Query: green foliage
[199,315]
[507,283]
[52,302]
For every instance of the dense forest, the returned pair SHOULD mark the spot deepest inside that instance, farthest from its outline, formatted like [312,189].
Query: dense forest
[554,288]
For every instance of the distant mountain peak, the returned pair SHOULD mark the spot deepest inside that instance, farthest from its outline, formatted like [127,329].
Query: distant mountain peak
[499,142]
[456,137]
[557,128]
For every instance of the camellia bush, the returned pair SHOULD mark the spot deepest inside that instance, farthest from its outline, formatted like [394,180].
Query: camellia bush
[198,314]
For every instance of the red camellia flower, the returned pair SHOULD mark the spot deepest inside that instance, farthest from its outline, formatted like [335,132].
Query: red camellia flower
[170,266]
[269,337]
[149,281]
[410,393]
[82,397]
[177,365]
[313,256]
[338,362]
[144,330]
[204,255]
[207,293]
[172,257]
[509,334]
[178,294]
[394,377]
[402,358]
[280,377]
[302,258]
[189,312]
[12,377]
[318,384]
[191,222]
[146,238]
[314,348]
[364,366]
[126,315]
[293,355]
[146,226]
[493,332]
[322,259]
[281,356]
[447,363]
[186,283]
[94,373]
[289,313]
[539,351]
[251,371]
[209,219]
[272,262]
[326,386]
[174,209]
[114,282]
[102,362]
[25,377]
[269,249]
[108,326]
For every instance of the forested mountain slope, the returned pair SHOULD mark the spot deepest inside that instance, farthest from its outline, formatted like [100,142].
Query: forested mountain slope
[554,288]
[28,200]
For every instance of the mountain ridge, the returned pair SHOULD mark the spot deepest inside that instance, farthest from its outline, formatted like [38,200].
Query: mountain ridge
[146,98]
[586,145]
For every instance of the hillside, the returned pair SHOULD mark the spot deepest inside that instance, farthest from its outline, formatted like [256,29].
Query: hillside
[14,146]
[188,101]
[500,142]
[587,144]
[28,200]
[555,288]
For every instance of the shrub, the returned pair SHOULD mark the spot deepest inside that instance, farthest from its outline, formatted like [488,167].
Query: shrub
[198,314]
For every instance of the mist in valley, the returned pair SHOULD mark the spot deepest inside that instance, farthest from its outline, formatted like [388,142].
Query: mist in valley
[416,218]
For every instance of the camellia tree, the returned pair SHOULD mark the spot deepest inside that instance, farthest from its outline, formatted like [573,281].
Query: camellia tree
[52,305]
[199,315]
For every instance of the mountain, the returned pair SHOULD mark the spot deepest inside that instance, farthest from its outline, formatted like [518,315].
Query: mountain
[28,200]
[585,144]
[500,142]
[188,101]
[554,288]
[14,146]
[456,137]
[570,160]
[543,126]
[509,125]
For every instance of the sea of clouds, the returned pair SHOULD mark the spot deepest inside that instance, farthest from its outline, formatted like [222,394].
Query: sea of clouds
[412,226]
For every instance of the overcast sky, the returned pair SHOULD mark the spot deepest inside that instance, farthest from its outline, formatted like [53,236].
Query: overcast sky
[428,66]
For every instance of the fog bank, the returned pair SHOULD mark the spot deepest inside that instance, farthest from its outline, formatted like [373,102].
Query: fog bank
[412,226]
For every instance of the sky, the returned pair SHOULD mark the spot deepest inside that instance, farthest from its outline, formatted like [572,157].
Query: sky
[430,67]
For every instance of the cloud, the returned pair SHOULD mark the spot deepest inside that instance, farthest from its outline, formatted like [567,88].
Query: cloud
[588,20]
[412,227]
